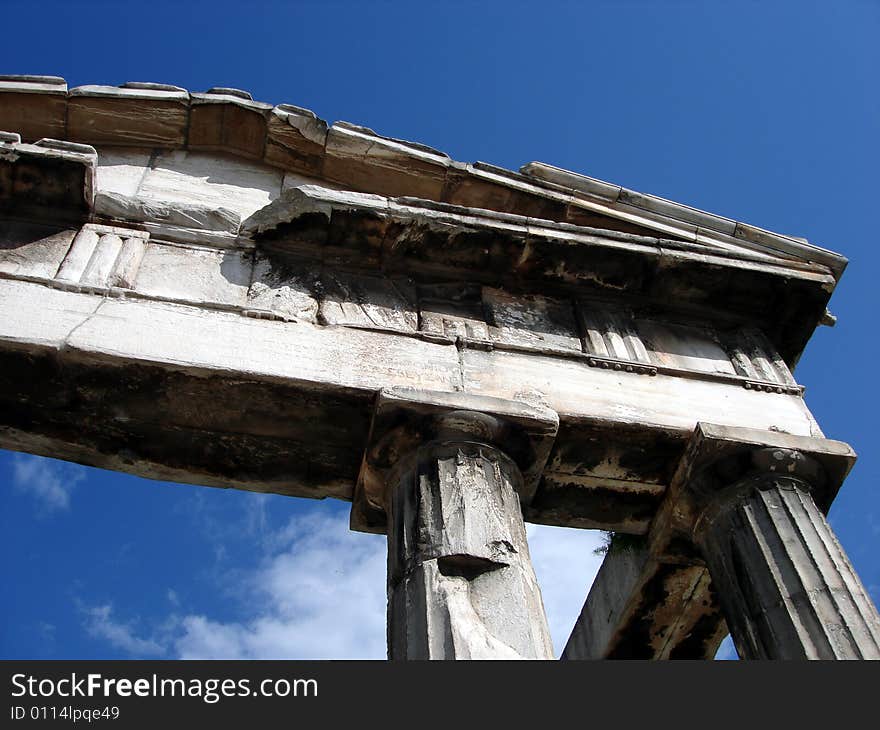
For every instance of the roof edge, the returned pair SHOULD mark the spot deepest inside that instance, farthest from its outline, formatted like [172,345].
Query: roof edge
[293,138]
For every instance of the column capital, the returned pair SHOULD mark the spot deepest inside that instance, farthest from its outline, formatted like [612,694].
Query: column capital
[720,460]
[405,419]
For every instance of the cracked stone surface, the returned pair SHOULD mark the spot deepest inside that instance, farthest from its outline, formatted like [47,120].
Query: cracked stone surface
[460,580]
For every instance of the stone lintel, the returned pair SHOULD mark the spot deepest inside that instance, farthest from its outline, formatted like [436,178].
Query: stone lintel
[606,471]
[50,178]
[404,419]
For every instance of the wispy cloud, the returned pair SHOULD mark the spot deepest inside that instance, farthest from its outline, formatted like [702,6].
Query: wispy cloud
[48,481]
[324,594]
[319,592]
[100,623]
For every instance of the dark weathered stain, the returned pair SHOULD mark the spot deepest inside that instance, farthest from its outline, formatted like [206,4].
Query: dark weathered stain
[159,418]
[706,634]
[635,640]
[43,187]
[595,449]
[305,229]
[573,504]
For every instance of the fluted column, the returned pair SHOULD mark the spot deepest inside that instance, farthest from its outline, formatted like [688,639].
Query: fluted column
[445,476]
[460,580]
[786,586]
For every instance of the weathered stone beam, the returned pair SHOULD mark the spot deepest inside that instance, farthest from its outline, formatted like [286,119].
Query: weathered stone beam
[187,393]
[640,607]
[724,230]
[408,236]
[151,114]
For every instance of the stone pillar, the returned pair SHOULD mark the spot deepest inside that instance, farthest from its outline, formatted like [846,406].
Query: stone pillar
[444,475]
[786,587]
[460,580]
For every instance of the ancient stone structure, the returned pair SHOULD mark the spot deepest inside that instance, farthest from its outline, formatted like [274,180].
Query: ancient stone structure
[203,288]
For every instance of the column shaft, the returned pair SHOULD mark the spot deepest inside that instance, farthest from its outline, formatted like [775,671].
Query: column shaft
[786,586]
[460,579]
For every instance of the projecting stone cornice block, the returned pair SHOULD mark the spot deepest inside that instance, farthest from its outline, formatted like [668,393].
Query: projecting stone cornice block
[50,179]
[38,108]
[128,115]
[228,120]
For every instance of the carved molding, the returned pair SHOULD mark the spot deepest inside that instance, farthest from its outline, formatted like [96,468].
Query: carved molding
[102,258]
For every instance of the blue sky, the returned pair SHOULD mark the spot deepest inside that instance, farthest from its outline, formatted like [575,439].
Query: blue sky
[765,112]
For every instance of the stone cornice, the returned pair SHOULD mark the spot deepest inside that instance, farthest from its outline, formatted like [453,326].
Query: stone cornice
[286,136]
[406,235]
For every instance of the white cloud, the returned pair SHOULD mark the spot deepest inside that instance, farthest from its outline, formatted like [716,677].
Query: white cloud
[319,592]
[49,481]
[324,594]
[100,623]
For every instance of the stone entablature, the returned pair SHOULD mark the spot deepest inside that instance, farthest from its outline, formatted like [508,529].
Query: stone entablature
[222,264]
[193,167]
[117,261]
